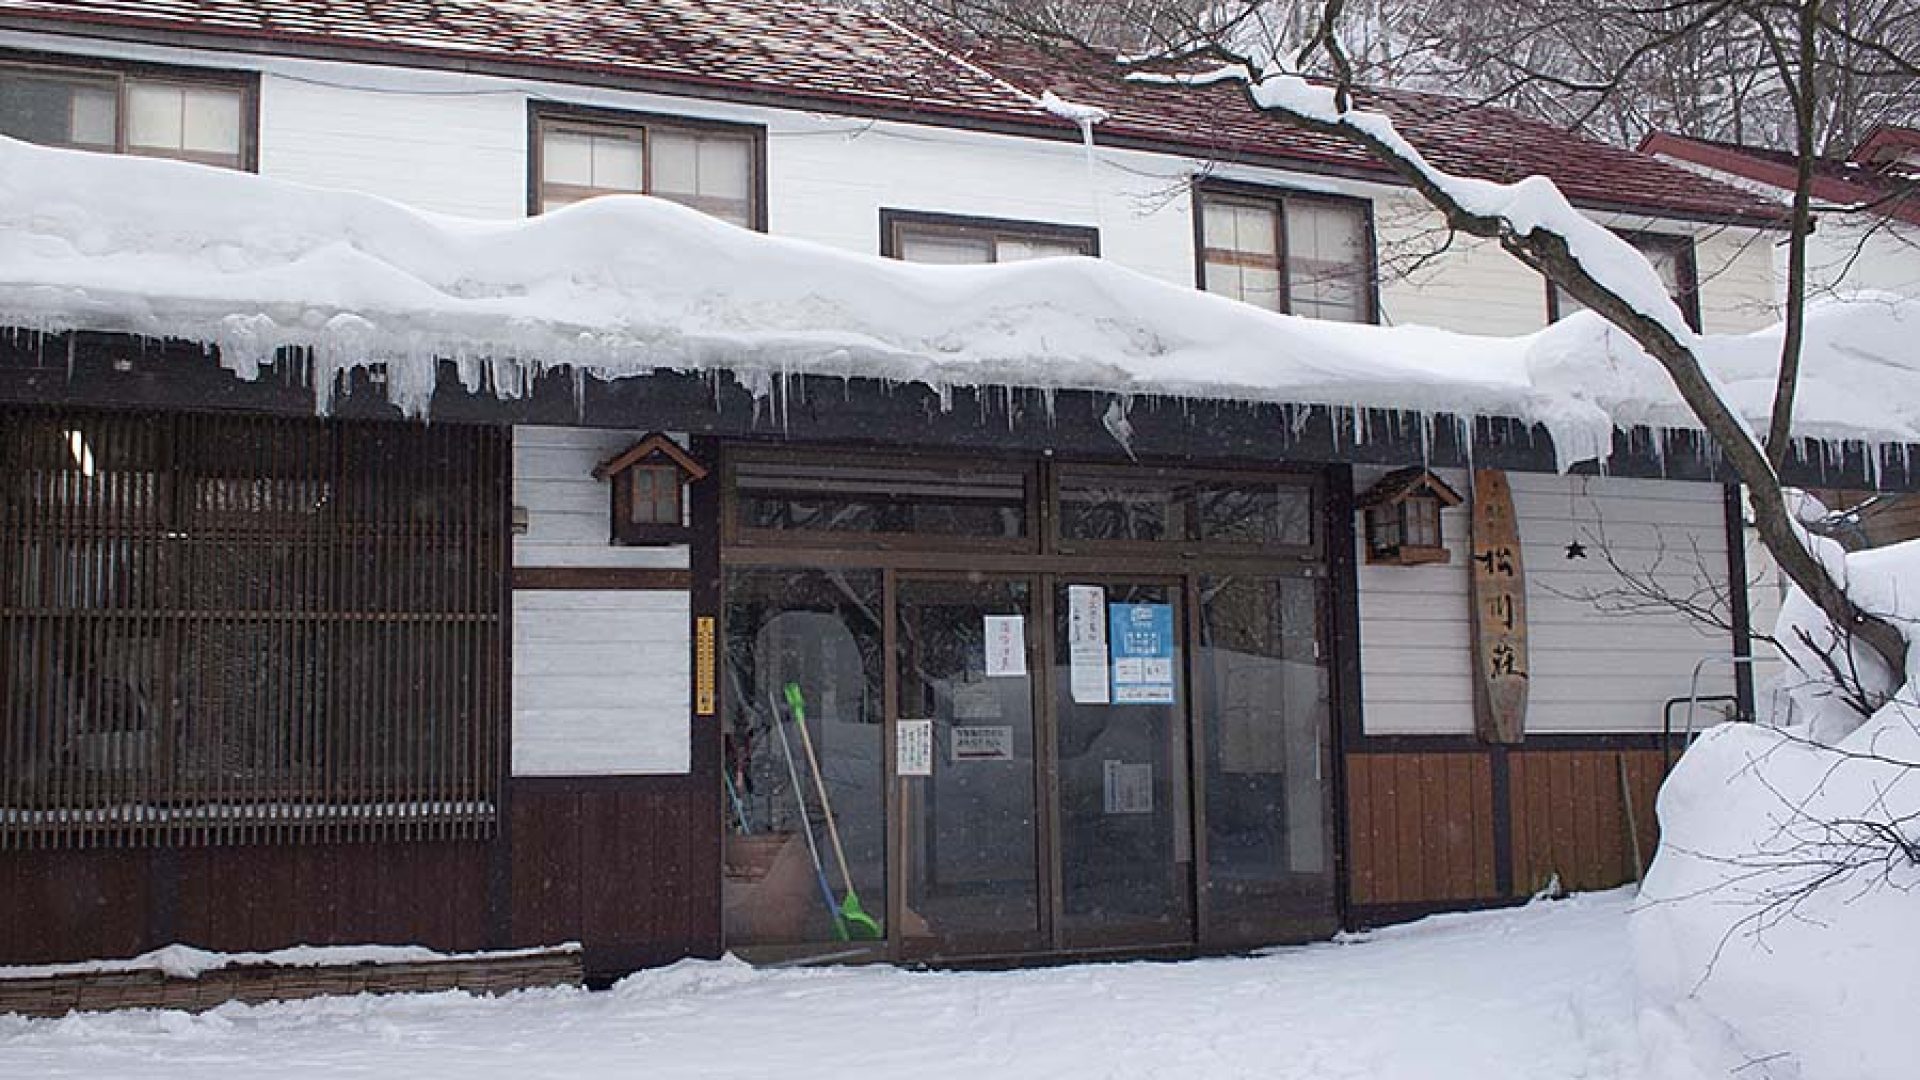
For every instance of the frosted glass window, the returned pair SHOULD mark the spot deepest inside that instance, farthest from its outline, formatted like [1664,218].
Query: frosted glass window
[1020,250]
[211,122]
[94,114]
[1309,257]
[965,241]
[1669,255]
[54,111]
[945,250]
[709,171]
[578,165]
[105,111]
[154,115]
[176,120]
[1327,268]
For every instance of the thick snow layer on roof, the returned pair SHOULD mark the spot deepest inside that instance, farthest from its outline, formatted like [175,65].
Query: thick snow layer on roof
[628,285]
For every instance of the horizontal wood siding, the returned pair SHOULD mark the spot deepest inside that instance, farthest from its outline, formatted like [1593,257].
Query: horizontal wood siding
[631,868]
[1570,817]
[1420,828]
[1600,662]
[567,509]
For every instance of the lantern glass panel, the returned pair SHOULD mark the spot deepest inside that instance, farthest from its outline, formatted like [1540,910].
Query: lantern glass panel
[1423,522]
[655,495]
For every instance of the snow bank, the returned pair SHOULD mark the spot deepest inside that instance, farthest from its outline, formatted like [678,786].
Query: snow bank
[1776,935]
[629,285]
[1539,993]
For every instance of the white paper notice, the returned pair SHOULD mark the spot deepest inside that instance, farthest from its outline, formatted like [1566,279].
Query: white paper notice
[913,748]
[983,743]
[1128,787]
[1087,644]
[1006,645]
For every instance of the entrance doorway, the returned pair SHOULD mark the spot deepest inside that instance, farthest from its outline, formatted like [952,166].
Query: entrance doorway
[1024,739]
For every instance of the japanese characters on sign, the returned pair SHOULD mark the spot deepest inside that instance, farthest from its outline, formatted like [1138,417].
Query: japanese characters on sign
[1141,640]
[1499,612]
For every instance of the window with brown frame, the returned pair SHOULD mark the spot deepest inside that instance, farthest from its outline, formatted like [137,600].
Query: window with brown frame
[249,630]
[191,116]
[1672,259]
[711,167]
[1299,254]
[949,239]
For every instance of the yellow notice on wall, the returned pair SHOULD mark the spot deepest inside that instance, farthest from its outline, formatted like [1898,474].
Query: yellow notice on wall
[704,702]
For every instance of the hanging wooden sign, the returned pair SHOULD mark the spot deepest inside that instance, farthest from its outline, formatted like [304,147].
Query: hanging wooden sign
[1499,612]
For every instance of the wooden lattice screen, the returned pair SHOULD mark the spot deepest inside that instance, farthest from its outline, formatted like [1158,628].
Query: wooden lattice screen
[249,630]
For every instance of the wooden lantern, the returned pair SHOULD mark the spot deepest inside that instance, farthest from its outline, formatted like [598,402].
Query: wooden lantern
[648,482]
[1403,518]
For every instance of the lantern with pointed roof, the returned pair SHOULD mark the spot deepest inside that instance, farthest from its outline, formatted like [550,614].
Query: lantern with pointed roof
[1403,518]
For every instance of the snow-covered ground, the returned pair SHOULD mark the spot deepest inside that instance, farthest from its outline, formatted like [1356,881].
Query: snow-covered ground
[1540,993]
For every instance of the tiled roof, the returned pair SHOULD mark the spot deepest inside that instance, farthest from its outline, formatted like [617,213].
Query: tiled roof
[1886,188]
[1456,134]
[809,53]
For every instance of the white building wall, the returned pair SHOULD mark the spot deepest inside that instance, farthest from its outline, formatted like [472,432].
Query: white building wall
[601,678]
[1600,661]
[458,144]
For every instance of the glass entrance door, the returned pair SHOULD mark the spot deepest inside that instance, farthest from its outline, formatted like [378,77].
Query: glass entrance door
[1263,719]
[965,766]
[1125,852]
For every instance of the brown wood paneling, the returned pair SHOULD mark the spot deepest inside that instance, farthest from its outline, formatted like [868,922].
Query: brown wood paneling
[1420,828]
[617,864]
[1570,818]
[73,904]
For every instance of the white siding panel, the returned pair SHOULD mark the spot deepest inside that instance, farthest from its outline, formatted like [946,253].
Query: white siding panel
[567,508]
[601,683]
[1594,666]
[460,154]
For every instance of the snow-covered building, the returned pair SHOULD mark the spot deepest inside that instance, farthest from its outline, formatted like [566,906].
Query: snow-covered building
[1866,205]
[1124,619]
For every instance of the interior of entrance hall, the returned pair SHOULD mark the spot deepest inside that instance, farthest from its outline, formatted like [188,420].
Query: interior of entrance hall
[1008,707]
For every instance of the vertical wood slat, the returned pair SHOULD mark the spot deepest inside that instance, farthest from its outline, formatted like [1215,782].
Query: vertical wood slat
[174,585]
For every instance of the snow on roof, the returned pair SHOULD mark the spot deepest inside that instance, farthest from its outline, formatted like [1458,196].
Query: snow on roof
[816,54]
[628,285]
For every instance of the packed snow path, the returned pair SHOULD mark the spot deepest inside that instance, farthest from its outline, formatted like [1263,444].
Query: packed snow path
[1540,993]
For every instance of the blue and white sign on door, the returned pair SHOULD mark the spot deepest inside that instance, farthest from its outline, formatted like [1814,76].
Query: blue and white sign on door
[1141,639]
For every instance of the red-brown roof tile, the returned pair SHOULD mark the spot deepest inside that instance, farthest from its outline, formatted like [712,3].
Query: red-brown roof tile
[808,53]
[1883,189]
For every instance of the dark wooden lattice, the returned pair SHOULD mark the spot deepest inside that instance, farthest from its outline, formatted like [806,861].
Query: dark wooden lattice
[249,630]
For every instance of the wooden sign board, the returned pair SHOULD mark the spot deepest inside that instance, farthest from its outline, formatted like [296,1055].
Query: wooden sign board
[1499,612]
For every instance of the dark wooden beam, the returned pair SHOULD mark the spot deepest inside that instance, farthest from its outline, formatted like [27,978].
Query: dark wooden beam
[118,371]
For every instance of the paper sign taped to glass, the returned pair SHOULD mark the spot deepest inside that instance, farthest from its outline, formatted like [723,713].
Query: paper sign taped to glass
[1140,637]
[913,748]
[985,742]
[1087,644]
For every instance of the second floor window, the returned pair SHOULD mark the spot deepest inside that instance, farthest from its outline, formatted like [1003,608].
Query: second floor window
[954,240]
[1672,259]
[713,170]
[1301,255]
[193,119]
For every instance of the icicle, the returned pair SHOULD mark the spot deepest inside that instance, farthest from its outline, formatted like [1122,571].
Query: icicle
[1117,425]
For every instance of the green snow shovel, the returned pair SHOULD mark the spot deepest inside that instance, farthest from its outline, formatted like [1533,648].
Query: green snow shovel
[859,924]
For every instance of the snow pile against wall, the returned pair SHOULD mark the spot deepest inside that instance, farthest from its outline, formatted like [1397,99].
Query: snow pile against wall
[1775,934]
[625,286]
